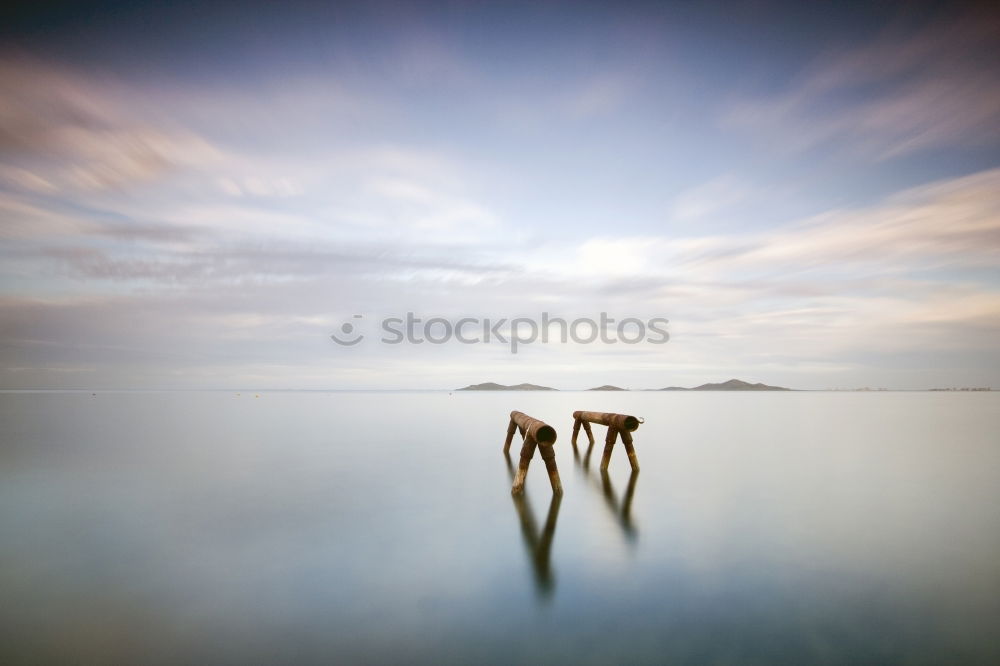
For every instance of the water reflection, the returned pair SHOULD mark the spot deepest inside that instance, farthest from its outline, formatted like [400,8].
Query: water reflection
[538,543]
[585,463]
[620,508]
[623,509]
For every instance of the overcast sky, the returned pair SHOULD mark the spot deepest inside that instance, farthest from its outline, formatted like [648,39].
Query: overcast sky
[200,196]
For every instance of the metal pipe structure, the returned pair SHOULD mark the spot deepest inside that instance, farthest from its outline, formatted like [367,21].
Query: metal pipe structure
[537,434]
[618,425]
[617,421]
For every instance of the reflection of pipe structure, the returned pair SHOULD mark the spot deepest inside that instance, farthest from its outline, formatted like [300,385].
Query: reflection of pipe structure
[538,435]
[618,424]
[585,464]
[538,544]
[623,510]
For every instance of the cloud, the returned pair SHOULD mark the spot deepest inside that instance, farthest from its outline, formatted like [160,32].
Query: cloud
[907,90]
[63,131]
[239,264]
[75,148]
[531,105]
[718,195]
[954,223]
[259,187]
[950,223]
[26,220]
[913,274]
[599,96]
[413,204]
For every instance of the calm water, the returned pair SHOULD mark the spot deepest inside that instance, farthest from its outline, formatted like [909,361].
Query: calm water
[348,528]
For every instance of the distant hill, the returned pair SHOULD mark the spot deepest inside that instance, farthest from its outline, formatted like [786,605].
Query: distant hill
[731,385]
[492,386]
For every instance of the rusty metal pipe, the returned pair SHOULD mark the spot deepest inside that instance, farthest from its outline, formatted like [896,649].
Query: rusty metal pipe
[538,430]
[622,422]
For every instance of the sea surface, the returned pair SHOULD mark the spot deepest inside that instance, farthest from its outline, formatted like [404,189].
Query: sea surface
[328,527]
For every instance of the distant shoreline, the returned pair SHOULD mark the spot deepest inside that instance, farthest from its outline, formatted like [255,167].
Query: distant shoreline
[733,385]
[13,391]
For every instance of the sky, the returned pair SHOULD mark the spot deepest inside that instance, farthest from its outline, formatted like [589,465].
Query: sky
[198,195]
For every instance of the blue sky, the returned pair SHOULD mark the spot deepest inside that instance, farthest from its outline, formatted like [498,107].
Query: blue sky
[199,195]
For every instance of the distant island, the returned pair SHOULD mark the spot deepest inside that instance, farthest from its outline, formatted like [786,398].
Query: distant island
[731,385]
[964,388]
[492,386]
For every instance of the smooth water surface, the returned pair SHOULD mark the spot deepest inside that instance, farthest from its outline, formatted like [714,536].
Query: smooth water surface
[770,528]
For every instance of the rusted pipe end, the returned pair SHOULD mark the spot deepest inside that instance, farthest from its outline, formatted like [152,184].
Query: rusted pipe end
[545,434]
[630,423]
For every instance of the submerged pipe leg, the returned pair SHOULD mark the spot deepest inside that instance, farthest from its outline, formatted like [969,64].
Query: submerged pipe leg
[576,431]
[590,433]
[549,456]
[630,450]
[527,451]
[609,445]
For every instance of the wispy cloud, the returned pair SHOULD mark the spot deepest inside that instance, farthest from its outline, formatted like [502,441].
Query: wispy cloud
[951,223]
[721,194]
[907,90]
[58,133]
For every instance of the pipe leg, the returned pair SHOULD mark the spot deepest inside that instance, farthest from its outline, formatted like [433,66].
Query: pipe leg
[609,445]
[576,431]
[590,433]
[549,456]
[527,451]
[630,450]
